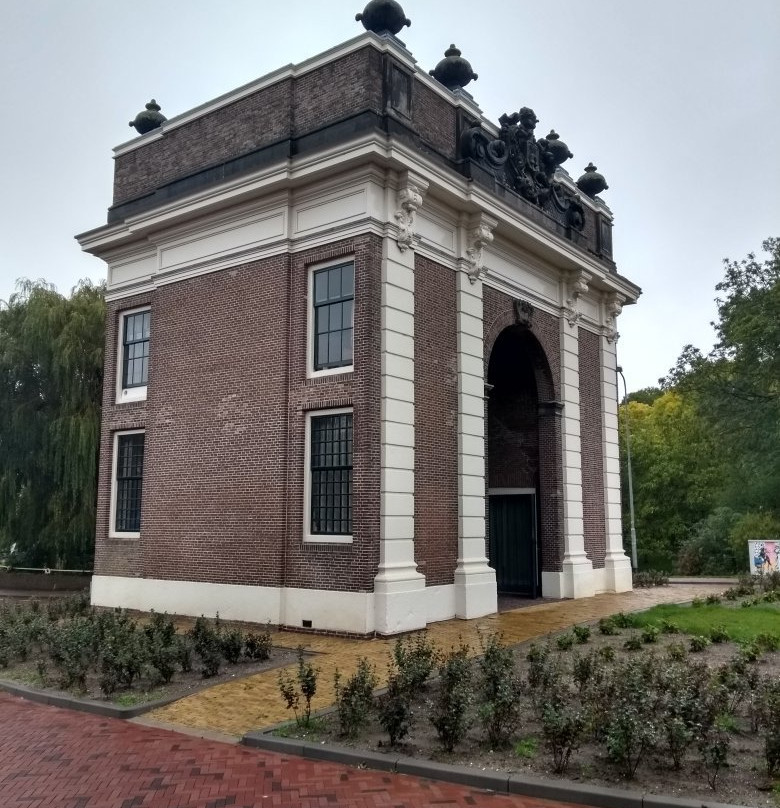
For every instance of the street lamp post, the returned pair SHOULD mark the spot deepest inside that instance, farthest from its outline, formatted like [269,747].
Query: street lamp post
[634,564]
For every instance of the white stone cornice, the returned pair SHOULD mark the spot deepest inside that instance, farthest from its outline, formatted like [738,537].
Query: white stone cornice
[410,198]
[576,286]
[480,234]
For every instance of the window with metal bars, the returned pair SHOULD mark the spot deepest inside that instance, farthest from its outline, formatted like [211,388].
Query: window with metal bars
[135,349]
[333,291]
[129,481]
[331,474]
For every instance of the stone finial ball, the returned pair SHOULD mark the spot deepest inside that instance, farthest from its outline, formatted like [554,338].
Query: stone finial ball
[383,15]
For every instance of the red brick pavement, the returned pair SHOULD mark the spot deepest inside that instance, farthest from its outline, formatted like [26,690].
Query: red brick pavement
[55,758]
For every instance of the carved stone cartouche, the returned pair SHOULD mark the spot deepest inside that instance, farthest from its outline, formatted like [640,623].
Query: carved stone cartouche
[148,119]
[383,15]
[591,182]
[453,71]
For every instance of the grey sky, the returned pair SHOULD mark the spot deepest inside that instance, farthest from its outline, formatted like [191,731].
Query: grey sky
[675,101]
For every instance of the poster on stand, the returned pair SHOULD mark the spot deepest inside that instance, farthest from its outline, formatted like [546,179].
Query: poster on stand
[763,556]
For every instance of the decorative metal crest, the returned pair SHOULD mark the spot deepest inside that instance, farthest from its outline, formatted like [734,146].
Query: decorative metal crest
[524,163]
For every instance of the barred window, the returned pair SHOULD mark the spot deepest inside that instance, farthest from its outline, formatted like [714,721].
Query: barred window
[333,300]
[129,481]
[135,349]
[331,474]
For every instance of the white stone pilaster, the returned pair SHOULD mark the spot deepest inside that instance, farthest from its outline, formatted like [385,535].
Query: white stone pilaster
[577,573]
[475,581]
[617,565]
[399,589]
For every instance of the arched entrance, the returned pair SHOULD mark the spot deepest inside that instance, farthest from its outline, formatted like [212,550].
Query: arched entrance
[518,378]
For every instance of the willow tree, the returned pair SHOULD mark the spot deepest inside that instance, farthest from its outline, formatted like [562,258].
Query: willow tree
[51,378]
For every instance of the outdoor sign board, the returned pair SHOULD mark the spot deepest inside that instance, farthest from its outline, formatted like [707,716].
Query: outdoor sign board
[763,556]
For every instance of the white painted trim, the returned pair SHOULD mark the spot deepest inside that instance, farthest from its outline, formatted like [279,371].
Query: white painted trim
[311,373]
[112,532]
[508,492]
[125,395]
[308,537]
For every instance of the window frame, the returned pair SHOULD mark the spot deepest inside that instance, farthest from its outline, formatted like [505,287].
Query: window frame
[113,533]
[310,337]
[128,394]
[324,538]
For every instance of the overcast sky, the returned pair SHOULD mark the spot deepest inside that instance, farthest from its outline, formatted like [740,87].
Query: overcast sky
[675,101]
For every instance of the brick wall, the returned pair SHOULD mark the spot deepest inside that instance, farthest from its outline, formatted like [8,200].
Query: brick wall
[592,447]
[436,420]
[274,113]
[224,420]
[435,120]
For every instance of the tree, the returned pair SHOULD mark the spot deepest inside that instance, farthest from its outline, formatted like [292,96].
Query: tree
[737,385]
[677,471]
[51,378]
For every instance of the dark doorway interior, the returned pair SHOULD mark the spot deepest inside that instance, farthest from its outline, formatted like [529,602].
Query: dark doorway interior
[513,463]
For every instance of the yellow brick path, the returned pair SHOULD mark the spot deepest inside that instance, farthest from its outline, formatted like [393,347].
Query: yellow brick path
[234,708]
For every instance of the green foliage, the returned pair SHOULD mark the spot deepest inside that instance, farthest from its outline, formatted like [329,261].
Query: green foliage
[769,724]
[607,626]
[354,699]
[648,578]
[698,643]
[708,550]
[299,690]
[499,690]
[650,634]
[677,468]
[415,658]
[581,634]
[231,645]
[527,748]
[449,711]
[71,649]
[633,643]
[207,643]
[564,642]
[257,646]
[563,727]
[51,380]
[719,634]
[395,709]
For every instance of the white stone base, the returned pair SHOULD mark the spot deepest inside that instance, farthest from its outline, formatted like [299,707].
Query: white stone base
[400,604]
[619,577]
[475,592]
[401,607]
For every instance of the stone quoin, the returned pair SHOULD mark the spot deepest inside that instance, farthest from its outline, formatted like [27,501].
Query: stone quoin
[360,355]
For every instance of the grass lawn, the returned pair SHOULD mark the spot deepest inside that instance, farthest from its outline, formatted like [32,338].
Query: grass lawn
[742,624]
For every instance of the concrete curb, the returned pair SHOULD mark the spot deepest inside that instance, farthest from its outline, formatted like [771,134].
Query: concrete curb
[102,708]
[500,782]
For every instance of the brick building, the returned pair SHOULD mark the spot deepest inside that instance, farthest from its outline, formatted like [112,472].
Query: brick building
[360,365]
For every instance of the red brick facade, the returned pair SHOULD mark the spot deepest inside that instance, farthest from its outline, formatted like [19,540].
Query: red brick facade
[591,436]
[225,422]
[436,417]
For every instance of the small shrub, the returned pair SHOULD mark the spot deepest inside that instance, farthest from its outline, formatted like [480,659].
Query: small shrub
[669,627]
[544,672]
[184,649]
[677,652]
[449,712]
[769,724]
[698,643]
[650,578]
[607,653]
[650,634]
[394,709]
[300,688]
[71,649]
[415,659]
[208,646]
[714,749]
[633,643]
[499,692]
[231,645]
[719,634]
[562,728]
[257,647]
[565,642]
[355,698]
[586,671]
[622,620]
[750,652]
[712,600]
[581,634]
[697,602]
[767,641]
[608,627]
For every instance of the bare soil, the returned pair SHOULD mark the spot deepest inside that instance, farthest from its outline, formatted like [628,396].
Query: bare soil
[743,781]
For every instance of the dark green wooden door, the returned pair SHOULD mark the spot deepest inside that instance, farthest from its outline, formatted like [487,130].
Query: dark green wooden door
[513,552]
